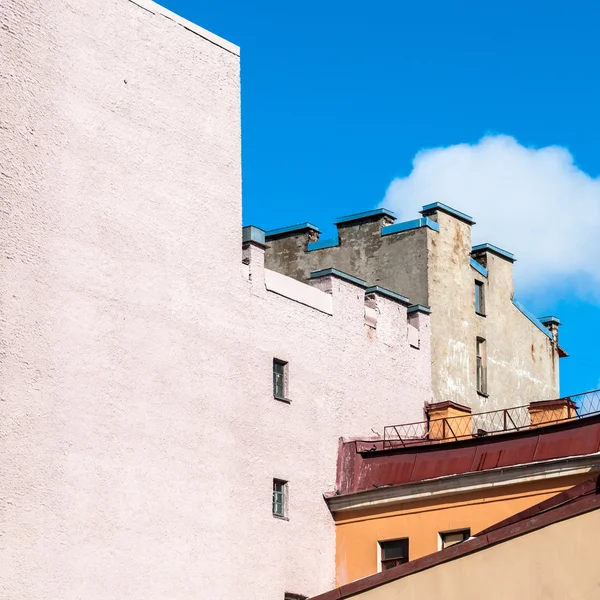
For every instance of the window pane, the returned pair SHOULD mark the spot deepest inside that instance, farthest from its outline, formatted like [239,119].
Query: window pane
[394,549]
[279,379]
[454,537]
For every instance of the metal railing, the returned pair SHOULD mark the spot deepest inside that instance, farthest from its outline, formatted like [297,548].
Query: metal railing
[473,425]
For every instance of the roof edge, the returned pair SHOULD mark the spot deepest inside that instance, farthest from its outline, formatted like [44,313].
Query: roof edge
[339,274]
[157,9]
[505,254]
[377,212]
[435,206]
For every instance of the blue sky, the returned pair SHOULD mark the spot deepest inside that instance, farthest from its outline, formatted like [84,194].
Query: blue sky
[339,97]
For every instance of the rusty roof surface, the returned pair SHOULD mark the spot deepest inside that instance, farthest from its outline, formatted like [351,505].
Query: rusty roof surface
[364,466]
[575,501]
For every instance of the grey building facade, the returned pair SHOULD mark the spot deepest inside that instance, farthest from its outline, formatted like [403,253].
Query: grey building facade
[488,352]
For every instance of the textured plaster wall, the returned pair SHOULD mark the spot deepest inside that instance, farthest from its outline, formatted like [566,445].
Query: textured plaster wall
[537,566]
[138,429]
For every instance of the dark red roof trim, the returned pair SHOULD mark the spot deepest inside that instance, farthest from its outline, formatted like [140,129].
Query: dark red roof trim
[576,501]
[363,466]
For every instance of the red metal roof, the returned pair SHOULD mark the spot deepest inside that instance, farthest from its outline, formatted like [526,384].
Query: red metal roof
[364,465]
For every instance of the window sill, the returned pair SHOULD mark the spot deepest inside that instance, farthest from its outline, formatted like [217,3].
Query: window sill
[280,399]
[483,394]
[281,518]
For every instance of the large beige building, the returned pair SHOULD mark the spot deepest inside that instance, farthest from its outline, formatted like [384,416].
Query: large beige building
[488,352]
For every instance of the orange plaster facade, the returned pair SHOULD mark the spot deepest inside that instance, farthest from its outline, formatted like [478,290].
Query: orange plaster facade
[358,533]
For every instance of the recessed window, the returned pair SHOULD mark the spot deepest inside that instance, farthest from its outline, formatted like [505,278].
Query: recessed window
[481,361]
[449,538]
[280,379]
[479,298]
[279,498]
[393,553]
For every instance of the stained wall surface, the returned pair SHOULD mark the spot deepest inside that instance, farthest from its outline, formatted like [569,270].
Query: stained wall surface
[431,265]
[139,432]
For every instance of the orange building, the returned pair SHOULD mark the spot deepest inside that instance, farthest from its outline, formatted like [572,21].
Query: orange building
[397,502]
[530,555]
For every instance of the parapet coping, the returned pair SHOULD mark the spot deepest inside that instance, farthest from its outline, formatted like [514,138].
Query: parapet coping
[339,274]
[435,206]
[251,233]
[408,225]
[365,215]
[533,319]
[157,9]
[375,289]
[494,250]
[385,230]
[291,229]
[478,267]
[549,320]
[419,308]
[325,243]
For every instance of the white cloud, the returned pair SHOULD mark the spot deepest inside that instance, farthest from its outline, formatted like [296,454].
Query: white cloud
[535,203]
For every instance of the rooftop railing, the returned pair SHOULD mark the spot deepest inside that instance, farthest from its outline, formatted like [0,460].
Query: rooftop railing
[466,425]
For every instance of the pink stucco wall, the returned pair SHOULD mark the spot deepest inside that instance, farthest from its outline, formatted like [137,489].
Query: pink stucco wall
[138,430]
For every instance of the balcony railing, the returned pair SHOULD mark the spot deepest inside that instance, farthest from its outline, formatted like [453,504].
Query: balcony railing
[474,425]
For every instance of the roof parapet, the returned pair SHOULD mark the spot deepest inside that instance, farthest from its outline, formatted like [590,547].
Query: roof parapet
[375,289]
[250,233]
[494,250]
[326,243]
[291,229]
[550,321]
[478,267]
[431,209]
[369,214]
[408,225]
[338,274]
[419,308]
[157,9]
[532,318]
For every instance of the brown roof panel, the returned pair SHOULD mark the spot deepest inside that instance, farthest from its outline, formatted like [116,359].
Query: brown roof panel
[568,443]
[363,468]
[448,461]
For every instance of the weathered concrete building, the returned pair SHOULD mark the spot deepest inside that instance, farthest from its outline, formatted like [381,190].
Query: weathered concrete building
[488,352]
[170,409]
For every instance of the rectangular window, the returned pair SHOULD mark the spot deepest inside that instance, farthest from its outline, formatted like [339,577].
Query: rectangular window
[481,358]
[479,298]
[279,497]
[393,553]
[449,538]
[280,373]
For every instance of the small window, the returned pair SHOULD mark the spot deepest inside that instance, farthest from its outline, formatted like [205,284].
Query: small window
[393,553]
[479,298]
[481,360]
[449,538]
[279,498]
[280,376]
